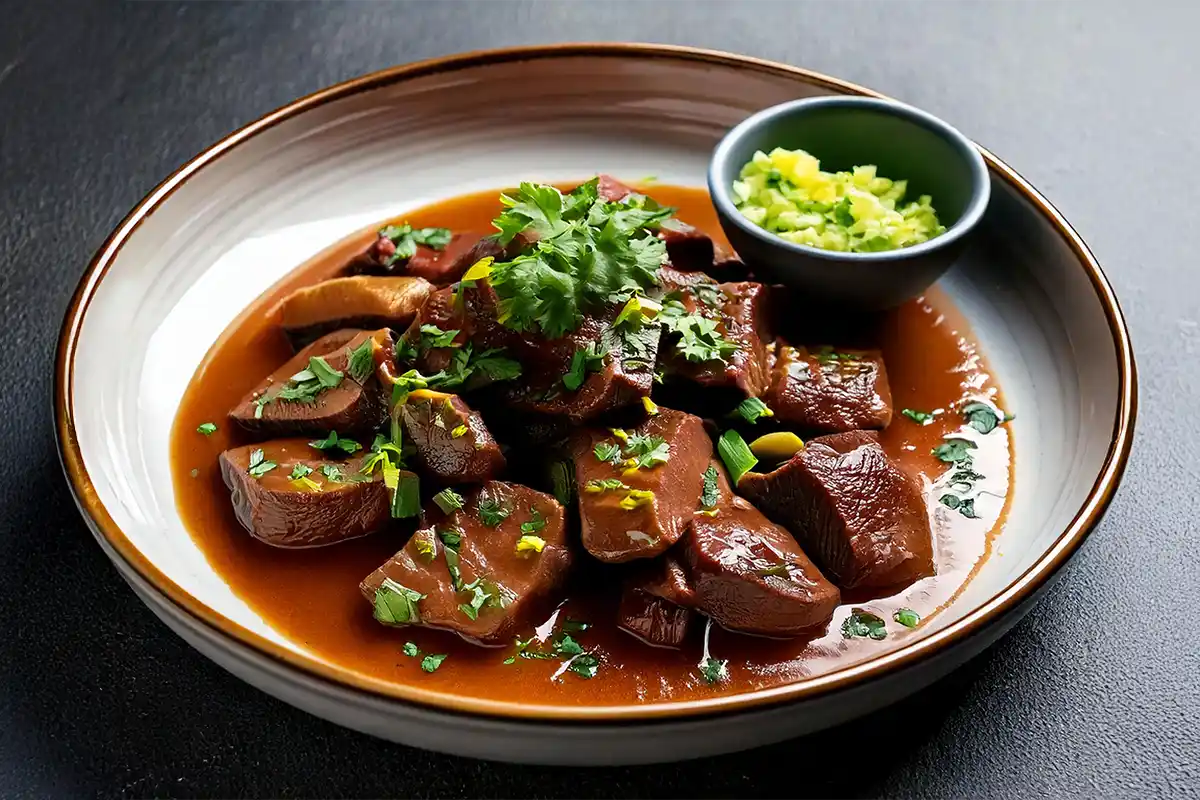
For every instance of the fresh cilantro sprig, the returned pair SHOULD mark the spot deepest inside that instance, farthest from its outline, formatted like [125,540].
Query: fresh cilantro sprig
[406,238]
[586,253]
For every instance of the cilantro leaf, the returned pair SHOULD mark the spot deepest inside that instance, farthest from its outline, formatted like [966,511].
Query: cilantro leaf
[259,465]
[207,428]
[431,662]
[406,240]
[954,450]
[864,624]
[433,337]
[334,442]
[981,417]
[710,493]
[536,523]
[919,417]
[907,617]
[396,604]
[584,360]
[300,471]
[492,513]
[607,451]
[647,451]
[410,649]
[699,339]
[585,665]
[479,598]
[713,671]
[966,507]
[361,362]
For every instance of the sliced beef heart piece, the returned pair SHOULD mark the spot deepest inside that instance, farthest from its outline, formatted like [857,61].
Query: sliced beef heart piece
[357,405]
[829,391]
[749,575]
[624,375]
[360,301]
[328,502]
[476,572]
[453,444]
[688,249]
[439,267]
[860,517]
[629,511]
[741,313]
[655,603]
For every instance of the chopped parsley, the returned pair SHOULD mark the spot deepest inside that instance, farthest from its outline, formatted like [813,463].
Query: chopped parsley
[451,540]
[448,501]
[587,252]
[300,471]
[710,493]
[605,485]
[713,671]
[492,513]
[699,339]
[530,544]
[396,604]
[585,360]
[479,598]
[431,663]
[752,410]
[333,442]
[411,650]
[607,451]
[433,337]
[919,417]
[966,506]
[259,465]
[954,450]
[406,239]
[907,617]
[647,452]
[361,361]
[536,523]
[584,665]
[981,417]
[207,428]
[305,385]
[863,624]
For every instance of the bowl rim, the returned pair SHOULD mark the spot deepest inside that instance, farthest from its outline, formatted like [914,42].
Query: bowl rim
[721,172]
[115,543]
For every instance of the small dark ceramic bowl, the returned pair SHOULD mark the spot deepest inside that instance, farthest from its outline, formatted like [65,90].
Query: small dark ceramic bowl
[842,132]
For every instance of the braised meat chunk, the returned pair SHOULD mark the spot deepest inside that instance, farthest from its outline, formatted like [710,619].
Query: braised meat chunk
[829,391]
[638,488]
[360,301]
[747,573]
[288,494]
[333,384]
[452,442]
[737,314]
[656,603]
[484,571]
[852,509]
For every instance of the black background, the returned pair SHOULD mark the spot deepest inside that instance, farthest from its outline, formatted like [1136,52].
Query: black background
[1095,693]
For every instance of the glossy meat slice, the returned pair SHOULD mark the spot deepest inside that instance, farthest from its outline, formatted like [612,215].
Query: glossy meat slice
[359,301]
[332,503]
[829,391]
[445,267]
[859,516]
[688,249]
[353,407]
[478,574]
[624,376]
[434,265]
[452,442]
[749,575]
[629,512]
[741,312]
[656,603]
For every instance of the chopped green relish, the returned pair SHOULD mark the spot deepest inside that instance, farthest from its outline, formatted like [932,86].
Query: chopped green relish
[787,193]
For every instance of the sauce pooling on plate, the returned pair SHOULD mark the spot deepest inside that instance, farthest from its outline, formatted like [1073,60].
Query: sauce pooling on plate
[425,472]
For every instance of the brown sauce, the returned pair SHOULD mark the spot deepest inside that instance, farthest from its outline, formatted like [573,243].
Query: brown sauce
[312,597]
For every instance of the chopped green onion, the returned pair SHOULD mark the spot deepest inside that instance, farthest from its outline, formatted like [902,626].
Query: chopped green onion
[448,501]
[735,454]
[752,409]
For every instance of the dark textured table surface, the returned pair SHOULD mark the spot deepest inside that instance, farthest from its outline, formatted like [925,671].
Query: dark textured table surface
[1095,693]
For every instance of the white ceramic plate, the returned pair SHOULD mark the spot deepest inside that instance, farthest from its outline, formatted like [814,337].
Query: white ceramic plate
[239,216]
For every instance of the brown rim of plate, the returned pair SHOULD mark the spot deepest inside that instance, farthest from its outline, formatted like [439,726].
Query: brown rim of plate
[1020,590]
